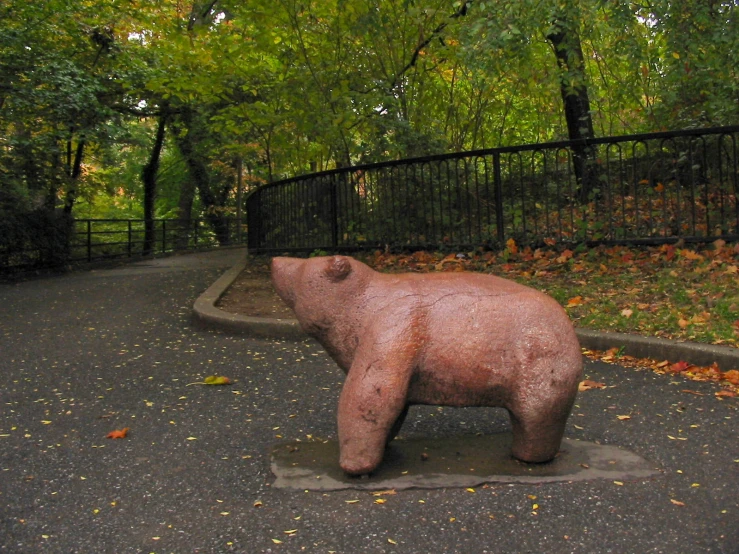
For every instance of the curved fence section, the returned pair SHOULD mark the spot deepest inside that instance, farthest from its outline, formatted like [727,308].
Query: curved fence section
[640,188]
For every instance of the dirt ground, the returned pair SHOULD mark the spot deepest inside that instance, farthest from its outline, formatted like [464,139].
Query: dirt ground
[252,294]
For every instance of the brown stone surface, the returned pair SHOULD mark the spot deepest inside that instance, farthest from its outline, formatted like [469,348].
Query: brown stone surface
[455,339]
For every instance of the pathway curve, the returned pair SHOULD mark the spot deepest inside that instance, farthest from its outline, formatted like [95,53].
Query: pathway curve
[90,352]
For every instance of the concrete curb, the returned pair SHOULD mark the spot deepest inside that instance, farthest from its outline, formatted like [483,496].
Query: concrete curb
[206,315]
[661,349]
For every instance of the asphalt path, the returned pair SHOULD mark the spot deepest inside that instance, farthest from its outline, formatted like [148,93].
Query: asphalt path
[89,352]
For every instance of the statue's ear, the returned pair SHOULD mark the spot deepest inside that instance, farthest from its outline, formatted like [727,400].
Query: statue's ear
[338,268]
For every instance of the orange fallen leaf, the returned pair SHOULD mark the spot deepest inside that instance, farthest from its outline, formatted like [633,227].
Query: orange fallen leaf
[677,502]
[725,394]
[587,385]
[680,366]
[576,301]
[118,433]
[732,376]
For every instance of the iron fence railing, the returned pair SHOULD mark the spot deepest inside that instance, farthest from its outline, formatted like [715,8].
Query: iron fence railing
[106,239]
[640,188]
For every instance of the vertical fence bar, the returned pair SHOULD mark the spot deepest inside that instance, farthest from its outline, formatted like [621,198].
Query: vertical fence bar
[89,240]
[498,188]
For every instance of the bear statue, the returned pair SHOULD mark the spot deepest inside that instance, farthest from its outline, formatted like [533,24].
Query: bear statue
[451,339]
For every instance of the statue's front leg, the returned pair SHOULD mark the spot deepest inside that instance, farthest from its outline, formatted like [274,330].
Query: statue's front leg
[372,400]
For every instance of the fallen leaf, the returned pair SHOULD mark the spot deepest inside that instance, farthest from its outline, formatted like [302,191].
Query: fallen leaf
[626,313]
[619,483]
[695,392]
[725,394]
[677,502]
[680,366]
[391,541]
[380,501]
[623,417]
[118,433]
[290,531]
[212,380]
[732,376]
[587,385]
[575,301]
[277,541]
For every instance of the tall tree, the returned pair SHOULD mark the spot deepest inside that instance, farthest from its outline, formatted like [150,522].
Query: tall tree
[565,38]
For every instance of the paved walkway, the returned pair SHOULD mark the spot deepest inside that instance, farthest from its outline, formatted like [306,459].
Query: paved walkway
[90,352]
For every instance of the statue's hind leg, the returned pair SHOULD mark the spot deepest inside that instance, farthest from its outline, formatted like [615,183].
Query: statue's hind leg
[537,433]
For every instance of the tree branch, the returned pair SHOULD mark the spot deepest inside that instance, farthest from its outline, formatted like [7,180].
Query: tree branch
[462,11]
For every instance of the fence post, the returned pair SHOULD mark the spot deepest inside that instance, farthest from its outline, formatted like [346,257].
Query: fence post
[253,220]
[498,186]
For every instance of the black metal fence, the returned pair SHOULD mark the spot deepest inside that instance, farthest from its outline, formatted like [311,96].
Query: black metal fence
[639,188]
[106,239]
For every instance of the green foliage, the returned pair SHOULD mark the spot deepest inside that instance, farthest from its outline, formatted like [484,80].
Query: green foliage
[292,87]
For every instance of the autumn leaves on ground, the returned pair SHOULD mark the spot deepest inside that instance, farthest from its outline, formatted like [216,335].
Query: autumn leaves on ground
[669,291]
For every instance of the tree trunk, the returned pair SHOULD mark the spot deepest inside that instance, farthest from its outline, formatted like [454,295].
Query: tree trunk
[149,178]
[184,213]
[565,38]
[74,174]
[196,163]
